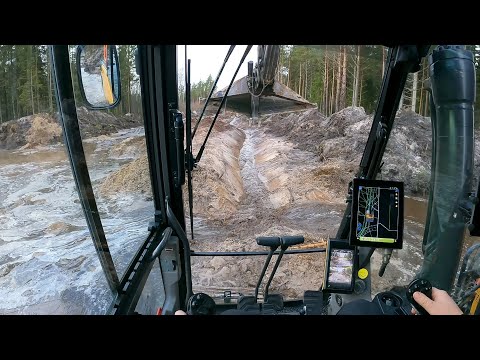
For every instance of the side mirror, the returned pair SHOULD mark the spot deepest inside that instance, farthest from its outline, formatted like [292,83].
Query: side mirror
[98,75]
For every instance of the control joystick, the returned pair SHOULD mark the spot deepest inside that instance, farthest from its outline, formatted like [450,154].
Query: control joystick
[200,304]
[424,287]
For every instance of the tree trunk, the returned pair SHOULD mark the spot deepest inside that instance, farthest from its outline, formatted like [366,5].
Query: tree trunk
[1,107]
[332,95]
[280,66]
[420,103]
[343,90]
[427,100]
[128,80]
[414,91]
[354,80]
[37,87]
[357,77]
[31,90]
[5,97]
[325,83]
[306,80]
[31,79]
[383,60]
[49,69]
[360,91]
[313,70]
[339,79]
[289,69]
[300,81]
[13,84]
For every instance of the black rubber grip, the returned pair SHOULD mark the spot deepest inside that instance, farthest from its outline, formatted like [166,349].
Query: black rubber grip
[423,286]
[268,241]
[292,240]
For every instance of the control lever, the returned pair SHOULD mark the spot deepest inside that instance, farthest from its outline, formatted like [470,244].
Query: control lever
[424,287]
[200,304]
[286,241]
[273,242]
[163,243]
[386,259]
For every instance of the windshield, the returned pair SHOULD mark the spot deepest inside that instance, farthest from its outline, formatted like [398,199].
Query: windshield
[283,173]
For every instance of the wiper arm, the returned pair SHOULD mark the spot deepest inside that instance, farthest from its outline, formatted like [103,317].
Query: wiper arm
[189,156]
[200,153]
[213,87]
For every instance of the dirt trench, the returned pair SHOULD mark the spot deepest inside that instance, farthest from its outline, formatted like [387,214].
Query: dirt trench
[269,190]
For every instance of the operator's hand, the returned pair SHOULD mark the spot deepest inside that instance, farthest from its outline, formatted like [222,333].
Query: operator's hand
[440,304]
[180,312]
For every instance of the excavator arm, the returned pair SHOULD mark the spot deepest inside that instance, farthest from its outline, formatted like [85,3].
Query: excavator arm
[266,67]
[259,93]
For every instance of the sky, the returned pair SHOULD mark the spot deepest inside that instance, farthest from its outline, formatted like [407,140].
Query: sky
[207,60]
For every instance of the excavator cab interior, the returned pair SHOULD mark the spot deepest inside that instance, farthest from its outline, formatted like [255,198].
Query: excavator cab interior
[374,216]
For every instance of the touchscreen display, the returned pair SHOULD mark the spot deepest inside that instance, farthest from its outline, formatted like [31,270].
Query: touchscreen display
[340,269]
[377,210]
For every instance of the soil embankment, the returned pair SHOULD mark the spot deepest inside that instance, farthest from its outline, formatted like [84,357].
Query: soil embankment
[44,128]
[340,139]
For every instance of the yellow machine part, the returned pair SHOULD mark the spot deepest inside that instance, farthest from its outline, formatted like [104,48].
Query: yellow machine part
[107,87]
[475,302]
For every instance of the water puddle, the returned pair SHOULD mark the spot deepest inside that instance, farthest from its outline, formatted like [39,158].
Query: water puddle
[48,263]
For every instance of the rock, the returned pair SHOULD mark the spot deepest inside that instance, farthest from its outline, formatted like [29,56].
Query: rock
[71,264]
[217,262]
[59,227]
[6,268]
[245,265]
[281,198]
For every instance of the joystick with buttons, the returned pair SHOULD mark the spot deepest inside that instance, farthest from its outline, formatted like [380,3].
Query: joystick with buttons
[200,304]
[422,286]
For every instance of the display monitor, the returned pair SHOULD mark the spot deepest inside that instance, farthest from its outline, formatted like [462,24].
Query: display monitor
[339,267]
[377,214]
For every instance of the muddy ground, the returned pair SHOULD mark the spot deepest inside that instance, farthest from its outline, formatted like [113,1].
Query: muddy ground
[285,174]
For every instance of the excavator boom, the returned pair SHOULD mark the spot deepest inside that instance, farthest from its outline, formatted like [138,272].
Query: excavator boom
[259,93]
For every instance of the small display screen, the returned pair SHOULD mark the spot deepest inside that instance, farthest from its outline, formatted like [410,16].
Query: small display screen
[377,213]
[339,267]
[340,271]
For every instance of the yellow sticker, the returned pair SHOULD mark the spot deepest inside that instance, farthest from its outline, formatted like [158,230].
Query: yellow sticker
[362,273]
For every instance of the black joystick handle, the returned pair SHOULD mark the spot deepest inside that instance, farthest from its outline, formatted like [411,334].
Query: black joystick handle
[424,287]
[200,304]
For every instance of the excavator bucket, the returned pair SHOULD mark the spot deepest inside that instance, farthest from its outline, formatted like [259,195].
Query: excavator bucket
[274,98]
